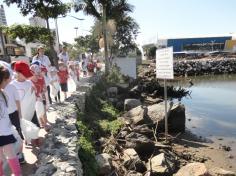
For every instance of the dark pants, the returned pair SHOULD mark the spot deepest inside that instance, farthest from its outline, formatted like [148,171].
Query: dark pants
[58,97]
[15,120]
[35,120]
[50,100]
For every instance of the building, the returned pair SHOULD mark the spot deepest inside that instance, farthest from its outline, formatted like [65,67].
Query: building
[37,21]
[198,44]
[3,20]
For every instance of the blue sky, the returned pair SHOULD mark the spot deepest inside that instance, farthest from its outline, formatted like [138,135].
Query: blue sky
[158,18]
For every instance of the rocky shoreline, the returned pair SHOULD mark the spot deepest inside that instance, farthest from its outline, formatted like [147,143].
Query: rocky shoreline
[139,148]
[206,66]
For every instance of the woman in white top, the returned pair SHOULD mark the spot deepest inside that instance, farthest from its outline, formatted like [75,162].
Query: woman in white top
[43,60]
[7,138]
[63,56]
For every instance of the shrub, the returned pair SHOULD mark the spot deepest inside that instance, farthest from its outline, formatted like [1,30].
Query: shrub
[111,126]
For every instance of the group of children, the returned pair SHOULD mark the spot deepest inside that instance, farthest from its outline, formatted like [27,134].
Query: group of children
[26,92]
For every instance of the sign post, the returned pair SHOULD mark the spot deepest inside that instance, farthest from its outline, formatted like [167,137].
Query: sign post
[164,70]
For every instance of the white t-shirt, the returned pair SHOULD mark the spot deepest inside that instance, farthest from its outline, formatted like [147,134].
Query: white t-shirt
[12,96]
[47,79]
[64,57]
[43,59]
[5,124]
[22,87]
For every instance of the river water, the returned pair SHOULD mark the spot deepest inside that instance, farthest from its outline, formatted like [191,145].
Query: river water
[211,110]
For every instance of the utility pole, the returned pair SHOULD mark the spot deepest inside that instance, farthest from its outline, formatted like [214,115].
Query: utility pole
[76,30]
[105,39]
[57,33]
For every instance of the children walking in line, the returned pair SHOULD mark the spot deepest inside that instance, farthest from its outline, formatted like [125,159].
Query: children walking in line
[6,135]
[63,78]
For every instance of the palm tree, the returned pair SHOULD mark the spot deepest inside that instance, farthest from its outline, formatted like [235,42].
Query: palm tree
[103,10]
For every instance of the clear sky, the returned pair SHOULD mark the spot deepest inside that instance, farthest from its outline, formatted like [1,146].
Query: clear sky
[157,18]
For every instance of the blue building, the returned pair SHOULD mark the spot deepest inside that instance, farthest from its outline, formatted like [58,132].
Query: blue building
[198,44]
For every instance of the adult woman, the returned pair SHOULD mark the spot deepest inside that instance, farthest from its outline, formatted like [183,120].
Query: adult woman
[44,60]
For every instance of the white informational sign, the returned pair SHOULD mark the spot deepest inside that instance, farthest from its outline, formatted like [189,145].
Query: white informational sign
[128,66]
[164,63]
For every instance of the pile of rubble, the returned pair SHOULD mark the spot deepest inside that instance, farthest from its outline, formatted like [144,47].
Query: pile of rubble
[140,148]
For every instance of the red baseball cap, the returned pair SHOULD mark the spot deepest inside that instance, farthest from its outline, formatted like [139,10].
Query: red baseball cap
[23,68]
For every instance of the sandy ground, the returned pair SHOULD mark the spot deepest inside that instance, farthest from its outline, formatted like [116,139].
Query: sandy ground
[210,149]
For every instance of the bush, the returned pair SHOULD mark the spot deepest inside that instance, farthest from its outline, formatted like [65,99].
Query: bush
[115,76]
[87,157]
[100,116]
[109,111]
[111,127]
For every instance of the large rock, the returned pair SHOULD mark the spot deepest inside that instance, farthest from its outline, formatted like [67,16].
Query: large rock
[133,173]
[142,145]
[144,129]
[131,103]
[176,118]
[129,155]
[85,87]
[104,162]
[46,170]
[132,161]
[161,164]
[136,116]
[112,92]
[221,172]
[193,169]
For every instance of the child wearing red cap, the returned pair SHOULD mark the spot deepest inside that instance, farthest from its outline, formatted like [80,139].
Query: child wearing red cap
[7,138]
[26,91]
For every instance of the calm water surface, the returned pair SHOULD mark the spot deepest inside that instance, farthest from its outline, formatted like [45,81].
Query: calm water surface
[212,106]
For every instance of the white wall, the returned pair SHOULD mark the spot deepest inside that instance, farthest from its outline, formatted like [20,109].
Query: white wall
[127,66]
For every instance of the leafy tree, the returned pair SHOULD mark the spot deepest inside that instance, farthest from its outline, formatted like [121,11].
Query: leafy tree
[89,43]
[124,38]
[103,10]
[45,9]
[28,33]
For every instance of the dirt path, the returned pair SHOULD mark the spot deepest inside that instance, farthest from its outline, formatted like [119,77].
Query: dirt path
[31,152]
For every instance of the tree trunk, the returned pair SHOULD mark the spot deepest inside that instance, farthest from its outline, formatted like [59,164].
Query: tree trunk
[54,59]
[105,40]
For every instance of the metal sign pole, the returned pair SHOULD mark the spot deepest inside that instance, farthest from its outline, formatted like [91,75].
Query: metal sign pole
[166,118]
